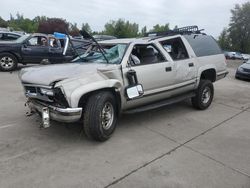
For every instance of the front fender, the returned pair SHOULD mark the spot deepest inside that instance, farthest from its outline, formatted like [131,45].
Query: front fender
[94,86]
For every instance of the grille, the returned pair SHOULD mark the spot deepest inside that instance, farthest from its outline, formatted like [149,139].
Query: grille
[246,70]
[30,89]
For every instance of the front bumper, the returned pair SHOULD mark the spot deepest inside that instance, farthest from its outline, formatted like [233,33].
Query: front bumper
[66,115]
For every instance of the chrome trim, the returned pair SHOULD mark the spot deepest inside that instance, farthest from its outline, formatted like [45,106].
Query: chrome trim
[67,115]
[34,85]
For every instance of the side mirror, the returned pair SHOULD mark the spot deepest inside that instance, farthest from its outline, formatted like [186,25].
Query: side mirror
[134,91]
[25,45]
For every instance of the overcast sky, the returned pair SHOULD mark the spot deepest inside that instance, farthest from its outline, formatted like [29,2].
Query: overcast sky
[212,15]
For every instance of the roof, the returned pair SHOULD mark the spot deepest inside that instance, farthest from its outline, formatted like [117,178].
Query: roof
[126,40]
[9,32]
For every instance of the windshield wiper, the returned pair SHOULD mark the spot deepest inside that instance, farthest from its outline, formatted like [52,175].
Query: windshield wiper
[85,34]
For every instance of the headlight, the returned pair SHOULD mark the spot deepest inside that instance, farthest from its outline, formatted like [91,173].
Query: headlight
[48,92]
[240,69]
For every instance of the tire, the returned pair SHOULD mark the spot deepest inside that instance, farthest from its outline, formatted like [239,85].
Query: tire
[204,95]
[100,116]
[8,62]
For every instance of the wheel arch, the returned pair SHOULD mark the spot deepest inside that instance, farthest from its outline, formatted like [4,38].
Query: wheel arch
[18,58]
[84,98]
[207,73]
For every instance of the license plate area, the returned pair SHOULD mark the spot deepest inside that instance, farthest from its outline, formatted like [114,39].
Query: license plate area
[45,117]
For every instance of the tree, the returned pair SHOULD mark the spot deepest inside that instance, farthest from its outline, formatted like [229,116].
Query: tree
[3,23]
[73,29]
[239,28]
[22,24]
[86,27]
[160,28]
[121,29]
[52,25]
[143,31]
[224,40]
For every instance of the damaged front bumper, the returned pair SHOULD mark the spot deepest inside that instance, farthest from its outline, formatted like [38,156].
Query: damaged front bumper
[66,115]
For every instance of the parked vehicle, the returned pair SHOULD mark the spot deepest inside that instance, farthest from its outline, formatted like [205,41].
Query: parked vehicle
[9,36]
[234,55]
[103,37]
[126,76]
[246,56]
[33,49]
[243,71]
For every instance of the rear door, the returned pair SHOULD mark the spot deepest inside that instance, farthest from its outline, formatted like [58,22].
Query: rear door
[184,64]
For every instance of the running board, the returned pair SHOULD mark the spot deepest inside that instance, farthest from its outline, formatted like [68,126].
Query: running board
[160,104]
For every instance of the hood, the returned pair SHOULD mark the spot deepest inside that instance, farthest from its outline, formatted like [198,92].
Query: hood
[246,65]
[48,75]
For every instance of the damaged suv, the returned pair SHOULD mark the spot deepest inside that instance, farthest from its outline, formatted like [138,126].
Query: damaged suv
[126,76]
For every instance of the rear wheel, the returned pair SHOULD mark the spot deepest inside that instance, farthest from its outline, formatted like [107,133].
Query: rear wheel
[8,62]
[204,95]
[100,116]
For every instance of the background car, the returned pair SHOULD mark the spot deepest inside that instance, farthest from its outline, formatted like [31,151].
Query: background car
[8,36]
[246,56]
[243,71]
[233,55]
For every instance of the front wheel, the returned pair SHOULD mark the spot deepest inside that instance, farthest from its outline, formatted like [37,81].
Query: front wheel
[8,62]
[100,116]
[204,95]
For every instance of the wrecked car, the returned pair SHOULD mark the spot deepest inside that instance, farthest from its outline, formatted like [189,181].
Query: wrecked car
[126,76]
[38,48]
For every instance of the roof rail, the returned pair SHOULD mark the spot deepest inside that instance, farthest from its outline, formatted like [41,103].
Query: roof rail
[181,31]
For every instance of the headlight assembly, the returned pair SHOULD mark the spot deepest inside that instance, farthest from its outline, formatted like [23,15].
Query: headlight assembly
[48,92]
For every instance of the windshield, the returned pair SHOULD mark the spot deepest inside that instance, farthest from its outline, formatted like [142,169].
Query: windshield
[22,38]
[114,53]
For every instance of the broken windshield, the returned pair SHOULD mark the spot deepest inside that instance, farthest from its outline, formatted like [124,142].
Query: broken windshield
[114,54]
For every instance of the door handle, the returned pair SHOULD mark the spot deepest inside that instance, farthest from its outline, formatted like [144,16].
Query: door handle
[168,69]
[191,64]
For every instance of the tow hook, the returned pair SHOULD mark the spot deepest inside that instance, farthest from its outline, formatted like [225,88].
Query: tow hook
[30,112]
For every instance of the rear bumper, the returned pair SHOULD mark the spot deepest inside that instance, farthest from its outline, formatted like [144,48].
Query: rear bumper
[66,115]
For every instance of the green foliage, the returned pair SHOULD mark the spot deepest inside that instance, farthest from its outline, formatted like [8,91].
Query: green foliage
[3,23]
[86,27]
[121,29]
[239,27]
[22,24]
[160,28]
[237,36]
[224,40]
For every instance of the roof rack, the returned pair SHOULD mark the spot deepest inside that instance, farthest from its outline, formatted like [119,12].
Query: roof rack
[181,31]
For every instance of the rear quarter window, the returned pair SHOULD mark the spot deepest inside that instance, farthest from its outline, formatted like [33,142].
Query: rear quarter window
[203,45]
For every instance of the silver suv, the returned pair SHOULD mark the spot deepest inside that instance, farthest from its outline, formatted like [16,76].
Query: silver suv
[125,76]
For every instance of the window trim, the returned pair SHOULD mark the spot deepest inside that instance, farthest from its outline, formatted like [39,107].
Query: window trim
[183,45]
[149,44]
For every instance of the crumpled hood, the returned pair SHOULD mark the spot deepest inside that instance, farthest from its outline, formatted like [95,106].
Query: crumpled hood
[47,75]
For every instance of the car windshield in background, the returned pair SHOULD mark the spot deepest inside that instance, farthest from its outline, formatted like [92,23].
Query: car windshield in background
[114,54]
[22,38]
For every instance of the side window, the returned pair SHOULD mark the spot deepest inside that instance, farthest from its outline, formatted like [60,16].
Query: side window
[175,48]
[1,36]
[203,45]
[146,54]
[38,41]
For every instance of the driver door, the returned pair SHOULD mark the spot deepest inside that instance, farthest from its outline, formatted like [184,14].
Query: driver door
[35,49]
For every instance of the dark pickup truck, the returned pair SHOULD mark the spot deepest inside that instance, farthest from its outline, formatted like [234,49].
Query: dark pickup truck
[34,49]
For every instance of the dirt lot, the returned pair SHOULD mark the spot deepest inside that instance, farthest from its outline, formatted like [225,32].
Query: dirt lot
[175,146]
